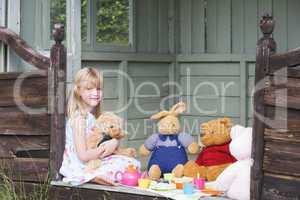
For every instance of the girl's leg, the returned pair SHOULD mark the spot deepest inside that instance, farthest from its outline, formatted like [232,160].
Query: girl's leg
[103,181]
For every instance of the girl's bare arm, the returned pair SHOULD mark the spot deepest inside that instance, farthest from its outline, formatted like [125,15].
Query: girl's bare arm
[84,154]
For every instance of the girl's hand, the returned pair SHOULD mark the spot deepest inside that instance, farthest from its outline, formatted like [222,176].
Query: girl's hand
[109,147]
[100,151]
[93,138]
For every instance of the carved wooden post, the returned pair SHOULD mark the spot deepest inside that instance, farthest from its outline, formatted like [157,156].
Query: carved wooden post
[265,47]
[57,93]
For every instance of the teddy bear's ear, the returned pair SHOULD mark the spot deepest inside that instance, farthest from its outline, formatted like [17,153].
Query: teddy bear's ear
[178,108]
[226,121]
[159,115]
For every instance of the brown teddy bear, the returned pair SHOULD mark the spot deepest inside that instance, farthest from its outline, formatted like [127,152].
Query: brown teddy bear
[107,126]
[215,156]
[168,146]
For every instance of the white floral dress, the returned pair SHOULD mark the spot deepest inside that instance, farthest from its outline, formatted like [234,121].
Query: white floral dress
[73,169]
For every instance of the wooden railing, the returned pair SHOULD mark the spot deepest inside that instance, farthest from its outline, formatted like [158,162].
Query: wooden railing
[45,88]
[275,173]
[18,45]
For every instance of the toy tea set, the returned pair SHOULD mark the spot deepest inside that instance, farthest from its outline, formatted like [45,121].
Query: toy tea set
[132,177]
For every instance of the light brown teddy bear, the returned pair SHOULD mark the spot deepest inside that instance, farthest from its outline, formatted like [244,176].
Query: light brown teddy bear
[168,146]
[107,126]
[215,156]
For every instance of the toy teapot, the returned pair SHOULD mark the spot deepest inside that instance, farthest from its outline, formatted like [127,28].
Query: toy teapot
[129,177]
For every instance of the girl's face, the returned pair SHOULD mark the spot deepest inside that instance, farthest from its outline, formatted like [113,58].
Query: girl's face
[91,96]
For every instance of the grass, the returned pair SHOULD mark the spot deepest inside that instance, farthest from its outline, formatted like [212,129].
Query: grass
[8,190]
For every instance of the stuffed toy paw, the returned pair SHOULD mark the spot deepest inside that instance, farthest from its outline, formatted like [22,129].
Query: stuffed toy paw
[215,156]
[167,147]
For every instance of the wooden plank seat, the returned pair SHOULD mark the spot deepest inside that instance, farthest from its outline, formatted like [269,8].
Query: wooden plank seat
[113,193]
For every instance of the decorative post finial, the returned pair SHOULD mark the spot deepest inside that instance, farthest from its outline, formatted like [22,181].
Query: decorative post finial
[58,33]
[267,24]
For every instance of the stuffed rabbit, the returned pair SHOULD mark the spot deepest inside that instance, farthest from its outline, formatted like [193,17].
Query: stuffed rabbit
[168,146]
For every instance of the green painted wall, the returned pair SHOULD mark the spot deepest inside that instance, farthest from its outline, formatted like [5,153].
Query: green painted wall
[218,40]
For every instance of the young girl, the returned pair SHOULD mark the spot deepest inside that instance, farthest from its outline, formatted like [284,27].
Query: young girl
[82,110]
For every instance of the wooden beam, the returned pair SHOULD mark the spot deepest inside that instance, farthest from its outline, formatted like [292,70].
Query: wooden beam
[17,46]
[73,38]
[2,23]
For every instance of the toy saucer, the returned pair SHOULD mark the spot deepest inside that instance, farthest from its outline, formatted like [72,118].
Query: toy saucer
[163,187]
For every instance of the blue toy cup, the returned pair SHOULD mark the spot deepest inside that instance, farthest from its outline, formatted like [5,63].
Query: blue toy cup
[188,188]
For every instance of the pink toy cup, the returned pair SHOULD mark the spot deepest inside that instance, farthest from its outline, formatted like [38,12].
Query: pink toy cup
[199,183]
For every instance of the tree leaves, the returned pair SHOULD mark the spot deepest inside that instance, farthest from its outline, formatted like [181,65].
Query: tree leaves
[112,19]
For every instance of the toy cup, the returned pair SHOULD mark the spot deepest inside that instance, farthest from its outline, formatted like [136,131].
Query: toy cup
[168,177]
[179,184]
[144,183]
[188,188]
[199,183]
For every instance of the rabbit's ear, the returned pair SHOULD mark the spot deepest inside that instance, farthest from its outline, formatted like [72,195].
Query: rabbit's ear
[178,108]
[160,115]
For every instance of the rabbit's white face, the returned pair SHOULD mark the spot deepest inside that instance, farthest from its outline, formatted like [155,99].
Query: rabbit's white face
[169,125]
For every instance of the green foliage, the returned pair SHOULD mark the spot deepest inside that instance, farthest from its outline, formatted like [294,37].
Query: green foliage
[57,12]
[112,19]
[58,15]
[8,190]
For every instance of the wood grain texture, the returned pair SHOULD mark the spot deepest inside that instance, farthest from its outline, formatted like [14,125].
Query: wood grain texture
[27,88]
[26,169]
[13,121]
[281,156]
[62,193]
[10,145]
[265,47]
[278,187]
[282,91]
[57,92]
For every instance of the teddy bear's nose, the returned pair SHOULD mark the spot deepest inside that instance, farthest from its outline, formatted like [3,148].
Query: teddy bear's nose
[111,126]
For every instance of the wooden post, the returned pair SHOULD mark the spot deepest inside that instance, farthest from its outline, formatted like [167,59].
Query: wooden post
[73,38]
[265,47]
[57,96]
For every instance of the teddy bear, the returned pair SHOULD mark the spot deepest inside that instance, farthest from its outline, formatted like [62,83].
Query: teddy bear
[168,145]
[235,179]
[215,155]
[107,126]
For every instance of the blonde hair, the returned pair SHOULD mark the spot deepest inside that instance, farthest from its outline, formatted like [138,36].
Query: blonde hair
[87,78]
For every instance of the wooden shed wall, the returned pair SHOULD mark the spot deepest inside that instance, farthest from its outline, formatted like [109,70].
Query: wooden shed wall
[218,43]
[189,42]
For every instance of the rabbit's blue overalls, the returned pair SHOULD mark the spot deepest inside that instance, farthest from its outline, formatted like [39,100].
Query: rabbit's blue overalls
[167,157]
